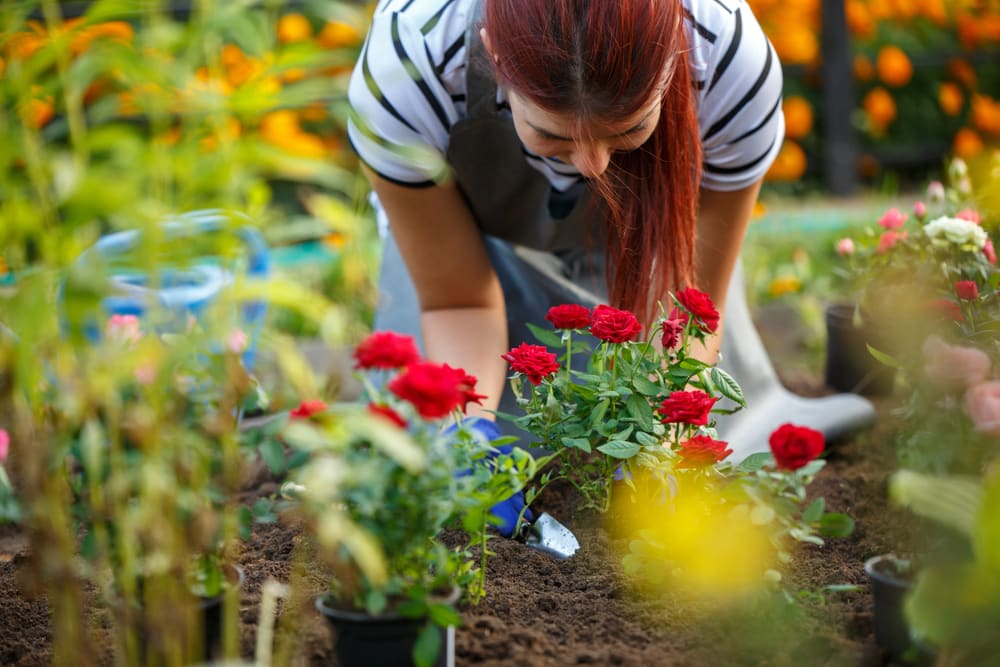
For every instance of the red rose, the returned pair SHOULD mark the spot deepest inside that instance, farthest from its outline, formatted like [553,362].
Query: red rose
[614,325]
[795,446]
[988,250]
[533,361]
[468,388]
[673,327]
[687,407]
[386,349]
[307,409]
[947,308]
[700,305]
[569,316]
[702,450]
[967,289]
[388,413]
[433,389]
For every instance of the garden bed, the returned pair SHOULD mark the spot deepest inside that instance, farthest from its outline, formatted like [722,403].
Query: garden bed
[541,611]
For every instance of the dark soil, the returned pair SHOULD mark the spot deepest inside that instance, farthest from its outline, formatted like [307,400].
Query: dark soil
[542,611]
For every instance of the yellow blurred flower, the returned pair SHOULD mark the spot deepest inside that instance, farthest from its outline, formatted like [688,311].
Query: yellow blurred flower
[796,44]
[894,67]
[784,285]
[294,28]
[798,116]
[337,34]
[282,129]
[789,165]
[950,98]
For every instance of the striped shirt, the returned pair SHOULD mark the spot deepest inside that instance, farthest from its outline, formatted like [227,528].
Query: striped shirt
[408,89]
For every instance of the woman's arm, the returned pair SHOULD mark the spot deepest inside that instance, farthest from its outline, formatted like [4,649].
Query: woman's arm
[723,218]
[463,317]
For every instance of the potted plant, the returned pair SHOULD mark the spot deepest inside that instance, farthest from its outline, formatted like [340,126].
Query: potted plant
[384,479]
[909,278]
[634,433]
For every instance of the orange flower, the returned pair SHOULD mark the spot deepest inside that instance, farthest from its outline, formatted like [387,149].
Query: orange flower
[863,68]
[798,117]
[967,143]
[281,129]
[986,114]
[967,26]
[935,11]
[950,98]
[39,112]
[880,108]
[294,28]
[859,19]
[963,72]
[83,38]
[894,67]
[789,165]
[337,34]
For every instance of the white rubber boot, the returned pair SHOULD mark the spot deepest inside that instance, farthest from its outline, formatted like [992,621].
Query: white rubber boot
[769,403]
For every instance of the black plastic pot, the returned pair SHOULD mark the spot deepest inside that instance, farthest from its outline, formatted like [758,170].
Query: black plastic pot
[891,579]
[386,640]
[850,367]
[211,612]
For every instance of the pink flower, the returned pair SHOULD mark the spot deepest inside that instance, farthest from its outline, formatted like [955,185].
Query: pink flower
[982,404]
[4,445]
[953,366]
[236,341]
[935,192]
[145,374]
[888,240]
[123,328]
[892,219]
[845,247]
[919,210]
[967,290]
[969,214]
[991,254]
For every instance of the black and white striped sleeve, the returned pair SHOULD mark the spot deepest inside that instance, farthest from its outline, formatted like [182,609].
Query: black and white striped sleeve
[742,126]
[401,112]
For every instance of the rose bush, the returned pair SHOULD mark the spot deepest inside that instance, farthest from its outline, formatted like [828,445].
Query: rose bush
[632,419]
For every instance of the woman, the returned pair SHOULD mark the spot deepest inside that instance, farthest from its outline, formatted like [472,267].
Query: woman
[526,153]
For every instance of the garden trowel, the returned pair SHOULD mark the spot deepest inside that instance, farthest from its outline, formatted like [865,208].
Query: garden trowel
[548,535]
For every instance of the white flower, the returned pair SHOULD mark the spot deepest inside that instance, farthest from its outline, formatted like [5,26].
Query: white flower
[958,231]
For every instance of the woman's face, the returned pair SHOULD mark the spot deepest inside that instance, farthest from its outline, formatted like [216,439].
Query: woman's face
[556,135]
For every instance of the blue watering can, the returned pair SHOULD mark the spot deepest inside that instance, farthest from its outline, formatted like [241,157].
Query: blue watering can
[176,293]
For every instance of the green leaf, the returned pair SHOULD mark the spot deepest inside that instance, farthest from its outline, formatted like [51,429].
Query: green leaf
[815,511]
[427,647]
[597,416]
[952,501]
[645,386]
[639,409]
[273,455]
[619,449]
[882,357]
[728,386]
[836,525]
[444,615]
[646,440]
[578,443]
[545,336]
[755,462]
[375,602]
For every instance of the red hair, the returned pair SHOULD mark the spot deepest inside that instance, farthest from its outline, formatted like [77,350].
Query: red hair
[605,60]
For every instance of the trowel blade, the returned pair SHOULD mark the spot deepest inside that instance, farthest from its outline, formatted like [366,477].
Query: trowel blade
[548,535]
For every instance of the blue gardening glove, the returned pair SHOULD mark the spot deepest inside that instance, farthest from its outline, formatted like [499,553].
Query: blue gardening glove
[507,511]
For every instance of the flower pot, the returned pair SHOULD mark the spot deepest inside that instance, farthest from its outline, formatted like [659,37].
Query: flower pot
[891,579]
[386,639]
[850,367]
[210,609]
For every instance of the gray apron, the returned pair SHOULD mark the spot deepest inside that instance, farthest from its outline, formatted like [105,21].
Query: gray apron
[537,239]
